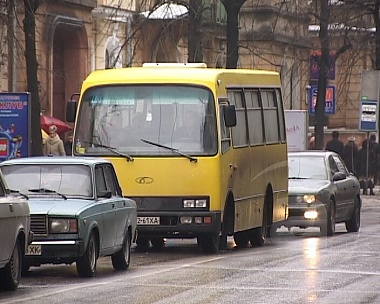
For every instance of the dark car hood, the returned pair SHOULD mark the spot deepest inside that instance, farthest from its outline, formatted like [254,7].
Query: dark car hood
[302,186]
[58,206]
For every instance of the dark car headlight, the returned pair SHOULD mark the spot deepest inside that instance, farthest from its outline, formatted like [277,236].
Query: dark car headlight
[307,198]
[63,225]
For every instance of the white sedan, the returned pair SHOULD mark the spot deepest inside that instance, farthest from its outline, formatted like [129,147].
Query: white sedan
[15,236]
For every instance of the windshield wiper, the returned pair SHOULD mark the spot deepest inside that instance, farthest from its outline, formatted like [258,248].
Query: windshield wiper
[114,150]
[294,177]
[18,192]
[192,159]
[44,190]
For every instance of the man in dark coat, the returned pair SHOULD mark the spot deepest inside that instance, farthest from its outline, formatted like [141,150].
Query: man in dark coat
[335,144]
[376,151]
[351,156]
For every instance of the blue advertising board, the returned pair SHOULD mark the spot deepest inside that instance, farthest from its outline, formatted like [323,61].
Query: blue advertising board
[315,58]
[330,100]
[368,115]
[14,125]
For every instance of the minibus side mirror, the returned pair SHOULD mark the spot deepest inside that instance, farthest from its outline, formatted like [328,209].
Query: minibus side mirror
[71,110]
[229,115]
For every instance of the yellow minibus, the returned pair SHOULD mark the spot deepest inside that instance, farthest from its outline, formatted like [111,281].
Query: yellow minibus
[201,150]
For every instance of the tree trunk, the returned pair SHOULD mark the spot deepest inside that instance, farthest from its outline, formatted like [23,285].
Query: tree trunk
[30,7]
[322,80]
[376,18]
[232,8]
[194,38]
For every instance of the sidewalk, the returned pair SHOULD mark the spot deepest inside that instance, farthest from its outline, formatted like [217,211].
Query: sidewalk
[368,199]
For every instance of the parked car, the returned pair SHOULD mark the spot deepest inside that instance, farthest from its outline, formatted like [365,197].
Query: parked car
[14,236]
[77,211]
[322,192]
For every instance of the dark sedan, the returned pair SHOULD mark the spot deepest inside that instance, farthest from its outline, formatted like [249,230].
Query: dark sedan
[322,192]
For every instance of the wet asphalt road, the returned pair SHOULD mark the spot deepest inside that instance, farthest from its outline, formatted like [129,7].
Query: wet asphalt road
[296,266]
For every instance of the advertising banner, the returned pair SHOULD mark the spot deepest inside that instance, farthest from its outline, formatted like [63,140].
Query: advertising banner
[297,125]
[330,101]
[315,57]
[14,125]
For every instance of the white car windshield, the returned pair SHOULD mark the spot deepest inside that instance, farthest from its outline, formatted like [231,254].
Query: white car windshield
[69,180]
[304,167]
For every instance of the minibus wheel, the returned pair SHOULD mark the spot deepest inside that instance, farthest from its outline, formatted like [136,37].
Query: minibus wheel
[241,239]
[157,243]
[257,236]
[142,244]
[209,243]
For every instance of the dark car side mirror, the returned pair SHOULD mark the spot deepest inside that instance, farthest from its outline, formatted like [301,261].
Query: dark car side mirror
[339,176]
[105,194]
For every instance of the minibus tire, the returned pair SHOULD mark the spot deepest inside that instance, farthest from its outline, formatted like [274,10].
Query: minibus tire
[209,243]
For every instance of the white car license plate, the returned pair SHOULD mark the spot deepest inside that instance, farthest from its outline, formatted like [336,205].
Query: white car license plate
[148,220]
[33,250]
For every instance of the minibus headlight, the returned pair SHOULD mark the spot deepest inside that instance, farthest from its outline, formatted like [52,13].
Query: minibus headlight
[200,203]
[188,203]
[186,219]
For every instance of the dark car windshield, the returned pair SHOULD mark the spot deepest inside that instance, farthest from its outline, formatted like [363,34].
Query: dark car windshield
[307,167]
[68,180]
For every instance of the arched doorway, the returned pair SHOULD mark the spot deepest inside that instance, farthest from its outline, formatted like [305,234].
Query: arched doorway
[69,64]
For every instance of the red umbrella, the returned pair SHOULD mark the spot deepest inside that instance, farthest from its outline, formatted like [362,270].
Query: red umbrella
[47,121]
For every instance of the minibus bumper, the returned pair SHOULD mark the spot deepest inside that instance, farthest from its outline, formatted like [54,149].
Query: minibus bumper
[178,224]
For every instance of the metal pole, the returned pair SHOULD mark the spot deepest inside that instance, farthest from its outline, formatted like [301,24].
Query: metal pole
[367,165]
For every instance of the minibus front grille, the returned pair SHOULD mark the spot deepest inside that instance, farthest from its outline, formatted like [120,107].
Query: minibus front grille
[168,220]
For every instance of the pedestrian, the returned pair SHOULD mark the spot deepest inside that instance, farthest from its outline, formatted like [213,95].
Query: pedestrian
[335,144]
[68,144]
[351,156]
[311,144]
[376,150]
[366,169]
[54,144]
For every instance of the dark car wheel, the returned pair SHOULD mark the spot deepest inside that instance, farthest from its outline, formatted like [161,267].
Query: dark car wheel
[122,258]
[10,275]
[353,224]
[86,264]
[329,228]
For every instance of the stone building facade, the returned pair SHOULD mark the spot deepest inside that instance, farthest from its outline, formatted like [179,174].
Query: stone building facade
[75,37]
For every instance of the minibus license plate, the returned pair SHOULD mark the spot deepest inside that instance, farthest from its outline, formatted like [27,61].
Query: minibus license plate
[33,250]
[148,220]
